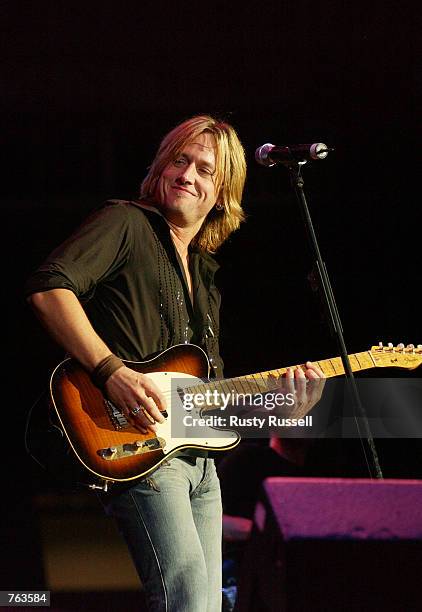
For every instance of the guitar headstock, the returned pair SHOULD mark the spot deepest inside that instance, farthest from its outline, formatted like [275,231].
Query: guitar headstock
[400,356]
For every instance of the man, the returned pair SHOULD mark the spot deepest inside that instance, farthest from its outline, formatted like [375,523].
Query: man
[143,271]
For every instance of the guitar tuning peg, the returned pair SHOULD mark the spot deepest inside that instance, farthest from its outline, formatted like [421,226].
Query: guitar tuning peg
[390,345]
[400,346]
[410,346]
[419,347]
[380,345]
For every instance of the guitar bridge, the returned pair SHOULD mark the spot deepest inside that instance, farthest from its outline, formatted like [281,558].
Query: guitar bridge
[139,447]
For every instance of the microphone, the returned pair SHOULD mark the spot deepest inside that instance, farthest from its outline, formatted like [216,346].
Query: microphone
[269,154]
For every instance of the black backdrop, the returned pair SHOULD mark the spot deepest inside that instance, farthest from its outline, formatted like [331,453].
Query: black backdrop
[87,93]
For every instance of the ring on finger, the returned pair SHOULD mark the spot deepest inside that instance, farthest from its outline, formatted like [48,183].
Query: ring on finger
[136,410]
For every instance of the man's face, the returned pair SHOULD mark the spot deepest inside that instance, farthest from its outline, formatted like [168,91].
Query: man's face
[186,189]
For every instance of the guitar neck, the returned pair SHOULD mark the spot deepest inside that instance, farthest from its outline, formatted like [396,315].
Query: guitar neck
[263,382]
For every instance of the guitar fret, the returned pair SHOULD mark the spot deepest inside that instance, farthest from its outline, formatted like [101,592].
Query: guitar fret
[213,386]
[354,363]
[334,366]
[365,360]
[273,380]
[238,386]
[198,388]
[337,365]
[242,386]
[259,382]
[322,366]
[250,384]
[246,380]
[261,375]
[225,386]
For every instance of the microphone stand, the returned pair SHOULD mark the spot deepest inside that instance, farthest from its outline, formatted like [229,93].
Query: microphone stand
[326,291]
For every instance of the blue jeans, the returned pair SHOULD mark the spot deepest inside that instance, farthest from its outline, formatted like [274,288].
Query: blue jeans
[172,525]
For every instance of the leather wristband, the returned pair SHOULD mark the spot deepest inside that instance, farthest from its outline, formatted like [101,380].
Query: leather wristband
[103,370]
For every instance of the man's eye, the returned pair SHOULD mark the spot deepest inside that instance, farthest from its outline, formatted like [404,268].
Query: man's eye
[179,162]
[205,171]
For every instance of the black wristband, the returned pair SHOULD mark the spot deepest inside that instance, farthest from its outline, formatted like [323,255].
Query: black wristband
[105,369]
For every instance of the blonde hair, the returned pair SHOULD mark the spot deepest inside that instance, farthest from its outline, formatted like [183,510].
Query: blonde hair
[229,176]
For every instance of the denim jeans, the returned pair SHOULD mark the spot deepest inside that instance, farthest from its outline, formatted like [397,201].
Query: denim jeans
[172,525]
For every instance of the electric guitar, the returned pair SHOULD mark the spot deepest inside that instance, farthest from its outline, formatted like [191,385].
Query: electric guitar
[112,449]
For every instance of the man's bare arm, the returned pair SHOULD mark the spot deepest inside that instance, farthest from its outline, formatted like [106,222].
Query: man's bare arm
[61,313]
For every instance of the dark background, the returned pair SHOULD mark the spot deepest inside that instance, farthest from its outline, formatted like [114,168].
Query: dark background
[89,91]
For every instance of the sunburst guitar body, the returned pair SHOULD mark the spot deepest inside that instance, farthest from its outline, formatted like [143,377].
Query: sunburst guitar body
[102,439]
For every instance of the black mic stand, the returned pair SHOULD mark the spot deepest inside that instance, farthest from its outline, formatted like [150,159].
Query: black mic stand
[326,291]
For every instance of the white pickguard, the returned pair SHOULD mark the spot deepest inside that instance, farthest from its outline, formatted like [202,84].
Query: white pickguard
[172,430]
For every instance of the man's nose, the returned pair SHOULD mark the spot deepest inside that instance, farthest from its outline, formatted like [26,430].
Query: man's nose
[187,174]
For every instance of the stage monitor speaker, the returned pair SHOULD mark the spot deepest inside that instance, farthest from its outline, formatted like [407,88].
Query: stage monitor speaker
[334,544]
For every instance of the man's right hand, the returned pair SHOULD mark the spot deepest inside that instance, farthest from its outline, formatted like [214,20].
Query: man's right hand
[130,390]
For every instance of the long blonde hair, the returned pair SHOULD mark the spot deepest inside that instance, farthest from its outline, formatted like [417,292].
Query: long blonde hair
[230,176]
